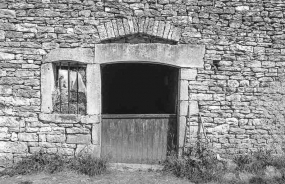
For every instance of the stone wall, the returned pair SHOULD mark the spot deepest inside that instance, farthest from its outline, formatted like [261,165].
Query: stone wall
[245,50]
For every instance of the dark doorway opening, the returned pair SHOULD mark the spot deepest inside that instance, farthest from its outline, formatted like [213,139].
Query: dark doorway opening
[129,88]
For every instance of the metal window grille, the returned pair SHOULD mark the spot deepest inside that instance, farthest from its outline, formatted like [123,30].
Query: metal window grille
[70,95]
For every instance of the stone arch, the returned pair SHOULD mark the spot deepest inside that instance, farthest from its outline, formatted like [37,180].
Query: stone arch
[149,26]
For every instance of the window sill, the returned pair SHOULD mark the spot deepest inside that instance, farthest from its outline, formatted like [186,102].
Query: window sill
[69,118]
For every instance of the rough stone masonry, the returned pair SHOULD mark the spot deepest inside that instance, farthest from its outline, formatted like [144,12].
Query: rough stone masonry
[238,91]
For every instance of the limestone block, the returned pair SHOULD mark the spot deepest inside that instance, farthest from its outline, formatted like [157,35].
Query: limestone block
[176,34]
[183,108]
[96,133]
[155,28]
[198,97]
[93,150]
[93,75]
[136,26]
[77,130]
[121,27]
[83,55]
[131,26]
[150,26]
[79,139]
[182,127]
[126,26]
[56,138]
[7,13]
[184,95]
[237,130]
[13,147]
[221,129]
[183,55]
[47,87]
[193,108]
[68,118]
[5,136]
[141,22]
[24,73]
[2,35]
[6,56]
[145,26]
[3,73]
[115,28]
[166,30]
[65,151]
[110,30]
[29,137]
[242,8]
[50,45]
[188,74]
[27,28]
[232,121]
[102,32]
[160,29]
[15,101]
[5,90]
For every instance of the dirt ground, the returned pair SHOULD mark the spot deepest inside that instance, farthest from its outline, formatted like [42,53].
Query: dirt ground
[112,177]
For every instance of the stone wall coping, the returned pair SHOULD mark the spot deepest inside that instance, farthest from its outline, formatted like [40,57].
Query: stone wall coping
[69,118]
[183,55]
[82,55]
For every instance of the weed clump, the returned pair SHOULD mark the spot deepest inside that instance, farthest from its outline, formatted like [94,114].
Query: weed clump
[198,164]
[53,163]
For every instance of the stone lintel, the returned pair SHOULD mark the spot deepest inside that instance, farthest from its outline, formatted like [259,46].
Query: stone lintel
[183,55]
[82,55]
[69,118]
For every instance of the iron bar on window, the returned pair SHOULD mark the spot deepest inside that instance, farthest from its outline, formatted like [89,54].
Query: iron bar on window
[77,88]
[59,83]
[68,90]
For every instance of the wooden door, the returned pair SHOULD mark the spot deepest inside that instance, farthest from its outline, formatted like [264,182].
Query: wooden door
[141,139]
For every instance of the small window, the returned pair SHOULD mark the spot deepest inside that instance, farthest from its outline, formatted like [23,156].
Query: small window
[69,96]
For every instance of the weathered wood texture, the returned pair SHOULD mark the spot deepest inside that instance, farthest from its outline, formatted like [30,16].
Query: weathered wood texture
[145,139]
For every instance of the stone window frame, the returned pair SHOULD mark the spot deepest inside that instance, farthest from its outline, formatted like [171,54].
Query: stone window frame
[187,58]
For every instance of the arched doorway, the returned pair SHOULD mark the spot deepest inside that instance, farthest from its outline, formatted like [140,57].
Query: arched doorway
[139,111]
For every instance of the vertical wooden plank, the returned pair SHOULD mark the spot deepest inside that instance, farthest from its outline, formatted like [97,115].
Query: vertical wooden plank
[155,139]
[132,142]
[145,146]
[149,141]
[139,140]
[160,139]
[164,139]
